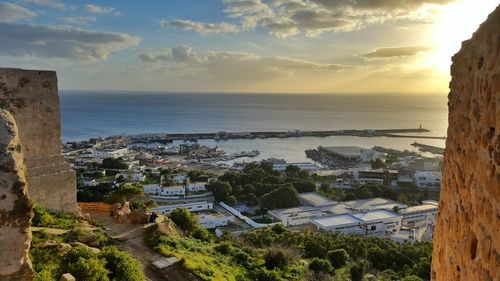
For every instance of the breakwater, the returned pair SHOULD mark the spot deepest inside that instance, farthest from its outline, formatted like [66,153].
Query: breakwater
[223,135]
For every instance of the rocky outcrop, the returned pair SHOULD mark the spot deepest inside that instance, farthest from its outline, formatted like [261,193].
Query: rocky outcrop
[31,97]
[466,241]
[15,206]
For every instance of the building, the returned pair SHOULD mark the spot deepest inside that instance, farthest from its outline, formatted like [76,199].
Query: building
[295,216]
[192,206]
[109,152]
[180,179]
[378,176]
[372,223]
[156,189]
[353,153]
[424,214]
[209,221]
[196,186]
[428,179]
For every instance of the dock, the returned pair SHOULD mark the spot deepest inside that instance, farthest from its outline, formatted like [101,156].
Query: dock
[428,148]
[223,135]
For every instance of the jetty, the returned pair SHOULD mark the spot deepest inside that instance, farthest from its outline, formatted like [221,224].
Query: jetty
[428,148]
[223,135]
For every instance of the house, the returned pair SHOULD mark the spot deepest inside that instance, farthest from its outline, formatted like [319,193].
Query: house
[156,189]
[109,152]
[378,176]
[196,186]
[210,221]
[428,179]
[372,223]
[192,206]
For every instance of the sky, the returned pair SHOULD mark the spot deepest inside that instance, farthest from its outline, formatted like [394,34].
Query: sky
[252,46]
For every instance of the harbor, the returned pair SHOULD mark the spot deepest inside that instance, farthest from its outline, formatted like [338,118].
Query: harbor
[223,135]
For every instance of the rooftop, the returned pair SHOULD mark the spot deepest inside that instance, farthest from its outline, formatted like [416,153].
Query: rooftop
[375,215]
[336,220]
[351,151]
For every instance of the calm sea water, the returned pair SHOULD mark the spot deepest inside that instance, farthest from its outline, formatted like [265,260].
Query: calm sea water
[92,114]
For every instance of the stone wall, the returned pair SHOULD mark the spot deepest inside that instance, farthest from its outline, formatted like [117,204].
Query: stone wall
[31,97]
[15,206]
[467,237]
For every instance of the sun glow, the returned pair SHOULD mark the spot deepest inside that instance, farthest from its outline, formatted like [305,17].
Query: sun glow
[456,23]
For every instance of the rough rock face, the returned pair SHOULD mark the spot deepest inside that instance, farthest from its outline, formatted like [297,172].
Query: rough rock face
[466,242]
[15,206]
[31,97]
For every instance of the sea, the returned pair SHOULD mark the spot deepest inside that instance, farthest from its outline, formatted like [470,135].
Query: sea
[87,114]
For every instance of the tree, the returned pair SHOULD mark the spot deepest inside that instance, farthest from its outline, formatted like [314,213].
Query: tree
[84,265]
[411,278]
[377,164]
[114,163]
[292,171]
[320,265]
[275,259]
[221,190]
[121,266]
[231,200]
[283,197]
[125,193]
[304,186]
[184,219]
[338,258]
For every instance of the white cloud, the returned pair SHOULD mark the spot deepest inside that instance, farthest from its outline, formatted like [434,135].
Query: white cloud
[203,28]
[84,20]
[289,18]
[99,9]
[12,13]
[60,42]
[47,3]
[395,52]
[233,66]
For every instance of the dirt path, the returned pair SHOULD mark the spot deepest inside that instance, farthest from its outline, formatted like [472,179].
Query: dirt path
[133,243]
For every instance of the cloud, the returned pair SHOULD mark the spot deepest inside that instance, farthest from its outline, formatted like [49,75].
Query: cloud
[404,72]
[395,52]
[47,3]
[233,66]
[12,13]
[48,41]
[99,9]
[289,18]
[84,20]
[203,28]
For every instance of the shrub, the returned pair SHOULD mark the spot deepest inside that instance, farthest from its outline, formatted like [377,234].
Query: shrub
[275,259]
[184,219]
[121,266]
[88,269]
[338,258]
[263,274]
[320,265]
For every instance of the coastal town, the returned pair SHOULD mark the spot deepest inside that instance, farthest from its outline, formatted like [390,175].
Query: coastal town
[374,191]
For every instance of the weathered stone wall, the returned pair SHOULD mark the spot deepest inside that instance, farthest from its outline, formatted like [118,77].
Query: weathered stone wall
[467,237]
[15,206]
[31,97]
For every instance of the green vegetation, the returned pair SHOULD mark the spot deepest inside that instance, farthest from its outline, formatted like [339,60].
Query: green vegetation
[53,255]
[278,254]
[114,163]
[125,193]
[259,183]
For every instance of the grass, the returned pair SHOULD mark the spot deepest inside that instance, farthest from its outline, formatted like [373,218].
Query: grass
[200,258]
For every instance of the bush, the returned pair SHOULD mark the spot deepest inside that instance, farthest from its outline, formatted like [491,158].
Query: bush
[263,274]
[356,272]
[320,265]
[338,258]
[121,266]
[275,259]
[184,219]
[202,234]
[88,269]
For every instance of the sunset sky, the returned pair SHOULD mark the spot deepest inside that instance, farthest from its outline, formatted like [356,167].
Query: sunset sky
[310,46]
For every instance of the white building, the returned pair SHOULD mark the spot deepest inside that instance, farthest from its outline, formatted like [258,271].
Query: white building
[420,215]
[180,179]
[307,166]
[428,179]
[193,207]
[196,186]
[158,190]
[109,153]
[209,221]
[295,216]
[374,223]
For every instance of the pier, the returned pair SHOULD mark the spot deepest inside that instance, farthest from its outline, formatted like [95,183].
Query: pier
[222,135]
